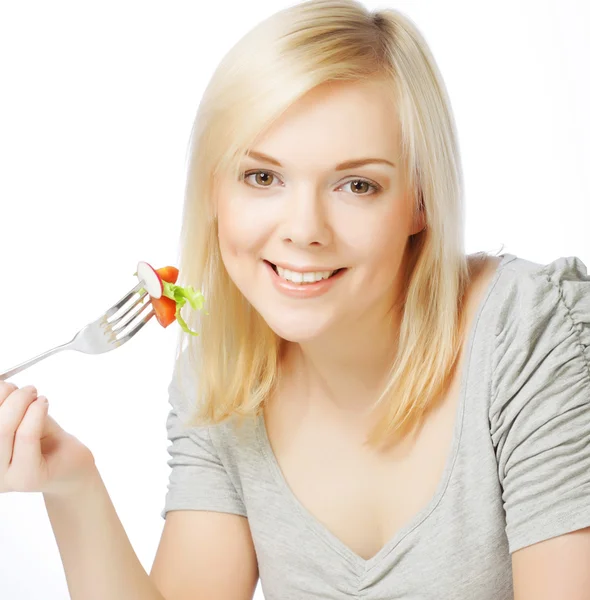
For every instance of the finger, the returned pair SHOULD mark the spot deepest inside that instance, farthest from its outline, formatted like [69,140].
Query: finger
[12,411]
[26,462]
[6,389]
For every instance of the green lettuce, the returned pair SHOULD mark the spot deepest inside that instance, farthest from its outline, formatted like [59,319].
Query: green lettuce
[182,295]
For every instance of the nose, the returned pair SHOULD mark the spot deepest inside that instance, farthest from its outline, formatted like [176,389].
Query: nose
[305,222]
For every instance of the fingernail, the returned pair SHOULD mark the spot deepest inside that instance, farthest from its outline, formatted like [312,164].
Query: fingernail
[33,389]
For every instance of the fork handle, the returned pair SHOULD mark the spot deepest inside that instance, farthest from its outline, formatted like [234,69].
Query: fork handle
[32,361]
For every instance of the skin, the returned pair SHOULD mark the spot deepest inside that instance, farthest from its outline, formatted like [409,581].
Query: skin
[306,213]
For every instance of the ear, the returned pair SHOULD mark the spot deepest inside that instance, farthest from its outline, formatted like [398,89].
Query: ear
[419,223]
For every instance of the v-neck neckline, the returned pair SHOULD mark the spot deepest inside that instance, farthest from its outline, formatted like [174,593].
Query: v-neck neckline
[361,564]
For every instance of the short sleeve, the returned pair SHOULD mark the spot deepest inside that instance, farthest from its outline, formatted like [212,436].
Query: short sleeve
[198,479]
[540,400]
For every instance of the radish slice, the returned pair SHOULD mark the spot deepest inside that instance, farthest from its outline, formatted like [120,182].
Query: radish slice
[152,281]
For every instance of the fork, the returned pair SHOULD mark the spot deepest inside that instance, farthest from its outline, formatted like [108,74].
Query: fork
[99,336]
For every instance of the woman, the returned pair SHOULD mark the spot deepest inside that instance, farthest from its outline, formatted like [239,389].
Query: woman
[367,411]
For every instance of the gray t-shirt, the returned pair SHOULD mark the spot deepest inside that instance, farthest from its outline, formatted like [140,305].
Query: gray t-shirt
[518,471]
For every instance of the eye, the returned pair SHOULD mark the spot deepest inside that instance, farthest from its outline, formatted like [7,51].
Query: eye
[264,179]
[364,182]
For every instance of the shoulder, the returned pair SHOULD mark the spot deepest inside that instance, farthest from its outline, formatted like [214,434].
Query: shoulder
[534,299]
[184,400]
[541,337]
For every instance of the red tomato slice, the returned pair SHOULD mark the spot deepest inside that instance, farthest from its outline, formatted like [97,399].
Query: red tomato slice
[164,307]
[169,274]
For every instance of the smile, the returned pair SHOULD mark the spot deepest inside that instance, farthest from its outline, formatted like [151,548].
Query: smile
[299,284]
[302,277]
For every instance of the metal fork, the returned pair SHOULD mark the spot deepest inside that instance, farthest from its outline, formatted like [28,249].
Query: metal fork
[99,336]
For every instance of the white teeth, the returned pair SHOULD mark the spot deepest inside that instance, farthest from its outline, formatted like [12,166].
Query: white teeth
[297,277]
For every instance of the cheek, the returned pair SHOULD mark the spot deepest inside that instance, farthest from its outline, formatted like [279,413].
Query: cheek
[229,242]
[234,254]
[378,241]
[242,230]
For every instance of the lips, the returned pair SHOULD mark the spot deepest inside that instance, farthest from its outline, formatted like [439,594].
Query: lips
[302,291]
[317,270]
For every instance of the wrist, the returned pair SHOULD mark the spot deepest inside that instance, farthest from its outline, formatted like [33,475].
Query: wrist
[86,480]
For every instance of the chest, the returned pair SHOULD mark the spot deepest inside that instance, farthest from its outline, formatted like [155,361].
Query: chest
[360,495]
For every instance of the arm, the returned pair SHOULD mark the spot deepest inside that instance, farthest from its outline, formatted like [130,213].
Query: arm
[205,554]
[554,568]
[201,554]
[540,426]
[98,559]
[206,551]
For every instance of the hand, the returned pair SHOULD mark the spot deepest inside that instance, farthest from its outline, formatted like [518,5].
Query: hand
[36,454]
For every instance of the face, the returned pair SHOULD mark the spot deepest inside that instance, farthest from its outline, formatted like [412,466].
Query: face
[296,209]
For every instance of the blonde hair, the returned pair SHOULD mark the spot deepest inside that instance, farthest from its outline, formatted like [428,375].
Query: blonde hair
[236,357]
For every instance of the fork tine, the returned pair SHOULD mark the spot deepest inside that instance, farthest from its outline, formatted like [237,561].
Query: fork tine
[125,299]
[141,324]
[122,321]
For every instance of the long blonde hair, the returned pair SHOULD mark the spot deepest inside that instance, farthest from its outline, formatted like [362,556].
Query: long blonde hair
[236,358]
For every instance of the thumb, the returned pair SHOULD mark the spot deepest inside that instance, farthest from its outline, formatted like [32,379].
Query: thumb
[50,427]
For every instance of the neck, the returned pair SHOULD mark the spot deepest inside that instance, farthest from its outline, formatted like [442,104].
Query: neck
[347,369]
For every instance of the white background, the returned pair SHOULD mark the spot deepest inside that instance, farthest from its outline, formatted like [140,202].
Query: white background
[96,105]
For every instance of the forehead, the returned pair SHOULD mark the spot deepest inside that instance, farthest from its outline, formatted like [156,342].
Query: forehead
[333,123]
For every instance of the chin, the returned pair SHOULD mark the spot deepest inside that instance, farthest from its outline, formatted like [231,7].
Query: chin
[296,330]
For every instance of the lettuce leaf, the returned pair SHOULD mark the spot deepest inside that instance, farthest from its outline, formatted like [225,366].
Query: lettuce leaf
[182,295]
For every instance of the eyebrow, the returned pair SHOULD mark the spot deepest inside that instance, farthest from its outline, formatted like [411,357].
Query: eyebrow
[349,164]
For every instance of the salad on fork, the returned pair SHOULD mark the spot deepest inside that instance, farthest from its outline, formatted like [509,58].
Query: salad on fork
[166,297]
[166,300]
